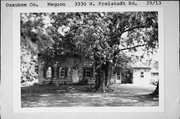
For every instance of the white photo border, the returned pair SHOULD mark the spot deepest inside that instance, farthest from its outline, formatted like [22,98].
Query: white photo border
[16,62]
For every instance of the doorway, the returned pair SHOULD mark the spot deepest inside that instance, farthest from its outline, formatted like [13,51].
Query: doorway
[75,76]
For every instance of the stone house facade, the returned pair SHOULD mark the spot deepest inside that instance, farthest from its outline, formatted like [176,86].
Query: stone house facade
[71,71]
[74,71]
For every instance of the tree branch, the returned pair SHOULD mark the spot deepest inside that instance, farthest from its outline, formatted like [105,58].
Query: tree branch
[135,27]
[129,29]
[131,47]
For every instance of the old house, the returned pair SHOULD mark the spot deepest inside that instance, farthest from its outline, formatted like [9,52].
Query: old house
[71,70]
[141,75]
[144,74]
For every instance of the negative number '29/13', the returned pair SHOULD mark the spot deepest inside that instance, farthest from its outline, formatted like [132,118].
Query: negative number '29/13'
[153,2]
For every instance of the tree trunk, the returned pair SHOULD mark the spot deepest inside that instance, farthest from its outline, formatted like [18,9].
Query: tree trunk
[101,87]
[156,91]
[103,76]
[98,78]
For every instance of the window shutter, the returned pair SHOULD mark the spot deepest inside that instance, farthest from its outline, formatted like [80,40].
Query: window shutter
[44,72]
[84,72]
[57,71]
[52,72]
[92,72]
[66,71]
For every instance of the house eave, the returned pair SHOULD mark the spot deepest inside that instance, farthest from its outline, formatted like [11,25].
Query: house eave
[141,67]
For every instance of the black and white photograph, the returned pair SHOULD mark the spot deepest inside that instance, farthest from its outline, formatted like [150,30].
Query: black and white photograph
[101,59]
[89,59]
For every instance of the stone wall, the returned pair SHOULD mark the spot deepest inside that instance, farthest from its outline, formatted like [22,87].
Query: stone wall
[69,65]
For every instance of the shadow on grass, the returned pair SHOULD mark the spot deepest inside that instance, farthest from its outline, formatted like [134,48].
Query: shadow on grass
[81,99]
[67,96]
[55,89]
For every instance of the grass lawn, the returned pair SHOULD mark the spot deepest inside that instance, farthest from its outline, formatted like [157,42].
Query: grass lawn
[74,95]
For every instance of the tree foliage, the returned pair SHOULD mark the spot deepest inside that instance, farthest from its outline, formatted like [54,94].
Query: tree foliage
[29,67]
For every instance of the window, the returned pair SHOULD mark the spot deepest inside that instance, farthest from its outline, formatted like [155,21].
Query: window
[142,75]
[118,76]
[48,72]
[154,74]
[62,72]
[88,72]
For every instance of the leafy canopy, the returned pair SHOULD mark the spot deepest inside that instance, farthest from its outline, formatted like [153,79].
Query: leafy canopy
[96,36]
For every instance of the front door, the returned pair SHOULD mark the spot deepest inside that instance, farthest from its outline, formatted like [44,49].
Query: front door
[75,76]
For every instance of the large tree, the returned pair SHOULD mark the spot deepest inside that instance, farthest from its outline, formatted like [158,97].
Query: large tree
[102,37]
